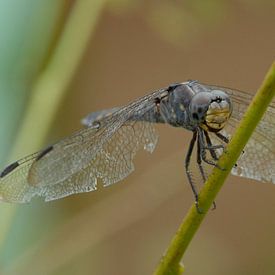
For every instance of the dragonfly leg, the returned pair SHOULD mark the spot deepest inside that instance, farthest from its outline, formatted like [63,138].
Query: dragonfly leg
[226,140]
[203,148]
[222,137]
[212,150]
[199,161]
[209,145]
[188,172]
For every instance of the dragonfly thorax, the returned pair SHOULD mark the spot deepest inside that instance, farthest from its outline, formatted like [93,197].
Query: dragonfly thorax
[210,110]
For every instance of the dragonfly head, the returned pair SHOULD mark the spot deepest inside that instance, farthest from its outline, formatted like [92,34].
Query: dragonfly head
[210,110]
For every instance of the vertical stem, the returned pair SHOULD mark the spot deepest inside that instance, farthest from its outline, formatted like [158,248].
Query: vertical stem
[170,263]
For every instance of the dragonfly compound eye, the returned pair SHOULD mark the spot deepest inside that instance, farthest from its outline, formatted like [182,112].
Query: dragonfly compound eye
[198,106]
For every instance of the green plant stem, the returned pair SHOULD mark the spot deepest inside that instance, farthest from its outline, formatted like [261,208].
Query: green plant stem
[170,262]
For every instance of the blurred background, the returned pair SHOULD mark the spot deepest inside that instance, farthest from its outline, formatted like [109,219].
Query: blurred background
[60,60]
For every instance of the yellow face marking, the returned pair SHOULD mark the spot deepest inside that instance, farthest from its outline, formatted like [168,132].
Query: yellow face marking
[217,120]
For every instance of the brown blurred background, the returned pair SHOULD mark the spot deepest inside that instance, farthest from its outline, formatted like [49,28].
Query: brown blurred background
[137,47]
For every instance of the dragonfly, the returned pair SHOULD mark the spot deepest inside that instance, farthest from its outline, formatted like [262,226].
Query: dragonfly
[105,148]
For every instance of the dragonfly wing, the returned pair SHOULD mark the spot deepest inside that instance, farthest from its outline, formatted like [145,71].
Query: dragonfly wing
[74,164]
[258,159]
[14,186]
[112,163]
[93,117]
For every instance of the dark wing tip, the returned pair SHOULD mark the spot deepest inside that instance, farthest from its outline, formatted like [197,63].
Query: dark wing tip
[44,152]
[9,169]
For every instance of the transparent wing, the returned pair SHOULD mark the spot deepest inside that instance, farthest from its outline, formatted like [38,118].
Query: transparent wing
[14,186]
[258,160]
[112,163]
[91,118]
[74,164]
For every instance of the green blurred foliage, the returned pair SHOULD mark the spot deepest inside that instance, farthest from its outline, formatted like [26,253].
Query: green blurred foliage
[27,30]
